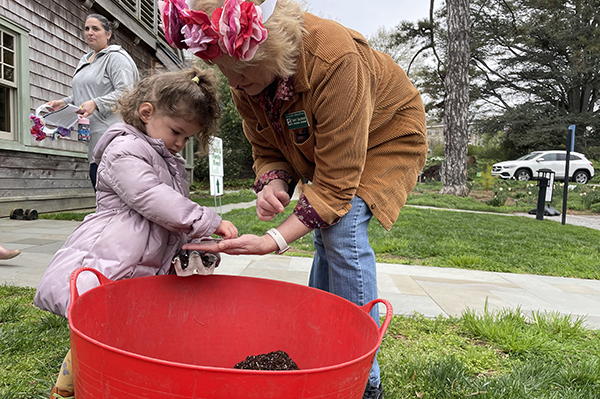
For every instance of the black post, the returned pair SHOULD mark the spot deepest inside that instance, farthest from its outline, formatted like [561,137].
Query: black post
[539,215]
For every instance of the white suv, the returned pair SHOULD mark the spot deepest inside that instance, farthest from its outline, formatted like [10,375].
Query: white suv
[581,170]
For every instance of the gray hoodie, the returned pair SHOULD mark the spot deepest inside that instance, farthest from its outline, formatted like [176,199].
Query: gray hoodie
[103,80]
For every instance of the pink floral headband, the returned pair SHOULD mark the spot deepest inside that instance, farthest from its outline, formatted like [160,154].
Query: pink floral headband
[236,29]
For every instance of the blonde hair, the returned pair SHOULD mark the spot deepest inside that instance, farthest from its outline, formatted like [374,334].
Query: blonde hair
[190,94]
[280,51]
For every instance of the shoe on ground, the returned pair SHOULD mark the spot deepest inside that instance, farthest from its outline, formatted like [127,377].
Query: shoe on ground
[60,394]
[372,392]
[6,254]
[17,214]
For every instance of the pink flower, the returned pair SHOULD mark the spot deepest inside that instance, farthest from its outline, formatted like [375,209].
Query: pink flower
[240,24]
[37,129]
[172,22]
[37,133]
[201,38]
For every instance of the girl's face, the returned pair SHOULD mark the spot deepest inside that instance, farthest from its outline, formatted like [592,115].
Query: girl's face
[252,79]
[174,132]
[95,35]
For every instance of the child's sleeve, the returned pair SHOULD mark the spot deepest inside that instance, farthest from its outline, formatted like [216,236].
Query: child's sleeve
[136,182]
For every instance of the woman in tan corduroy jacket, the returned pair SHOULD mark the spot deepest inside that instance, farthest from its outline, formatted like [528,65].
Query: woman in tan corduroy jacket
[326,112]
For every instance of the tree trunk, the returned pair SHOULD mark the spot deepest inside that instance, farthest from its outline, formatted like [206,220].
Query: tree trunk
[457,99]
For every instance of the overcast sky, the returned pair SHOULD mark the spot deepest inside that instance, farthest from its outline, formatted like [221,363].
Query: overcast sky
[367,16]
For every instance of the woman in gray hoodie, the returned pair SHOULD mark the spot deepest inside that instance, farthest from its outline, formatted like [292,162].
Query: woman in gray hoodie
[99,79]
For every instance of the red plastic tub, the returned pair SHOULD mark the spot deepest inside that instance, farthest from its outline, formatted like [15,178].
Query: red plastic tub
[173,337]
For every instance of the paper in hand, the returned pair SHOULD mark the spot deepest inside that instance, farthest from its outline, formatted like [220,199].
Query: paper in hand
[65,117]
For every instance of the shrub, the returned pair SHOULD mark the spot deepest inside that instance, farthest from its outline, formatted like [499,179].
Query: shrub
[590,198]
[487,180]
[499,198]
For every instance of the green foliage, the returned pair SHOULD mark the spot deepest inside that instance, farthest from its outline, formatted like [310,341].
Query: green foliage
[562,34]
[205,199]
[488,242]
[32,345]
[495,355]
[499,197]
[515,95]
[433,160]
[487,180]
[237,152]
[437,150]
[76,216]
[593,152]
[490,146]
[229,185]
[453,202]
[590,197]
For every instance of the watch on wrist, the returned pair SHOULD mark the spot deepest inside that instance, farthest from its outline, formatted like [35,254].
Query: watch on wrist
[279,240]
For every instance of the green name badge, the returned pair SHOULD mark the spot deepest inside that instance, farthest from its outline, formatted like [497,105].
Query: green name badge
[296,120]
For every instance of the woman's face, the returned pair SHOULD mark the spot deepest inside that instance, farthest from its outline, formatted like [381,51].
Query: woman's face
[252,79]
[95,35]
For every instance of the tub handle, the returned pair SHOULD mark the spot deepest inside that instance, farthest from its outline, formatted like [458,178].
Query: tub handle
[389,312]
[102,279]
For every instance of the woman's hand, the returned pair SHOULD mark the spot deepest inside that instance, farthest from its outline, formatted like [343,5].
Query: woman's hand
[88,108]
[227,230]
[56,104]
[272,200]
[248,244]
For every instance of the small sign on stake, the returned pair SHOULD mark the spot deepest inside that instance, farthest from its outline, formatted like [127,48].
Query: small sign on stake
[215,157]
[215,167]
[216,185]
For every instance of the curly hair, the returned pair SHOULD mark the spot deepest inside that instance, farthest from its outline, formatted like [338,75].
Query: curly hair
[190,94]
[280,51]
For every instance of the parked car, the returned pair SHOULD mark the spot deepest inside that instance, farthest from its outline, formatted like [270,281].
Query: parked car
[581,169]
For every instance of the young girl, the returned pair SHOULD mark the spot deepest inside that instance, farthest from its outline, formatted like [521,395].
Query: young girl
[143,215]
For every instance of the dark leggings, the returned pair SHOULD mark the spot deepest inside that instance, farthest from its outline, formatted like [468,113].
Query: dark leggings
[93,172]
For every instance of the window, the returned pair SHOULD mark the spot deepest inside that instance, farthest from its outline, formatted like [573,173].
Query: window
[549,157]
[8,85]
[143,10]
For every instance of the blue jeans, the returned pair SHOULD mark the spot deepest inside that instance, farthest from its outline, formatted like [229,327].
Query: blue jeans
[344,263]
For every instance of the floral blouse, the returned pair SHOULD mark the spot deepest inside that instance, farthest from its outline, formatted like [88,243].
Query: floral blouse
[271,103]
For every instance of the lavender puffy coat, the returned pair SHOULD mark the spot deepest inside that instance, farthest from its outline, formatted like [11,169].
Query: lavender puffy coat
[142,218]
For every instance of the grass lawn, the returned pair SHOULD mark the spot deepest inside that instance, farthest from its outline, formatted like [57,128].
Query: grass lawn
[445,238]
[204,198]
[495,355]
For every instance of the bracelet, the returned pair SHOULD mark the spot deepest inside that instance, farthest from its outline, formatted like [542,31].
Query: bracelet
[279,240]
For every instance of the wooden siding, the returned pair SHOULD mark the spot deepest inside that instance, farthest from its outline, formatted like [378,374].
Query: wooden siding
[43,182]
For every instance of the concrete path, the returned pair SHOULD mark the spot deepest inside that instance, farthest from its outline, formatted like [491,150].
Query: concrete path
[431,291]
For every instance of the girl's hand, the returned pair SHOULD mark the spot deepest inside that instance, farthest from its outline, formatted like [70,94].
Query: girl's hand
[88,108]
[248,244]
[56,104]
[227,230]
